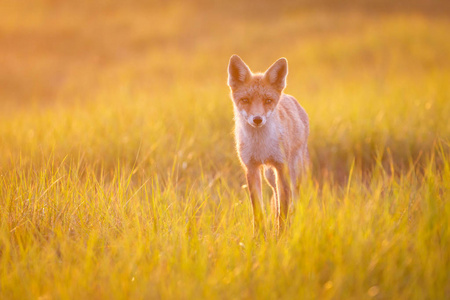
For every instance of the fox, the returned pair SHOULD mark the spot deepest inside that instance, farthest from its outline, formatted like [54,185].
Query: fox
[271,135]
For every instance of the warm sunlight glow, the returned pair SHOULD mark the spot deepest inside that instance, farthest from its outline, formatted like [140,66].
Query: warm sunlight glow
[119,176]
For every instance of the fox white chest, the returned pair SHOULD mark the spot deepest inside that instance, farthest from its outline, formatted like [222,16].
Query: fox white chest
[259,145]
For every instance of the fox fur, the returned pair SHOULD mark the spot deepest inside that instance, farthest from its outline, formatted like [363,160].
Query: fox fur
[271,131]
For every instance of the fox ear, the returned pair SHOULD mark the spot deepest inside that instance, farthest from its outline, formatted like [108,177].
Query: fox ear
[238,72]
[276,74]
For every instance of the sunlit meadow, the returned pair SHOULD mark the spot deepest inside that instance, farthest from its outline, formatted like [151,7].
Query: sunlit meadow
[118,173]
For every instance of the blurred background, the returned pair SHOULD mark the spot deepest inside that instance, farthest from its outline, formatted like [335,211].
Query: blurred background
[118,171]
[146,80]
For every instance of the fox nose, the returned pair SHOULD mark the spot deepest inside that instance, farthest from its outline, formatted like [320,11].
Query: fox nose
[257,120]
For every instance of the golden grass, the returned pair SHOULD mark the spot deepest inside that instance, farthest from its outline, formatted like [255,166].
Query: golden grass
[119,178]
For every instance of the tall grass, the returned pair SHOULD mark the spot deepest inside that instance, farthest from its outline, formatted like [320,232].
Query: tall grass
[68,231]
[118,172]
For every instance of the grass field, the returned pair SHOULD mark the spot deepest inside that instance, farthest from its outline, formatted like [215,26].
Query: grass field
[119,177]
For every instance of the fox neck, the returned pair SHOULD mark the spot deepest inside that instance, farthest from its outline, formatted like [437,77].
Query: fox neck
[258,144]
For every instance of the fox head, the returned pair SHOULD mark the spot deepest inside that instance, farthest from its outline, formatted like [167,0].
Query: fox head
[256,96]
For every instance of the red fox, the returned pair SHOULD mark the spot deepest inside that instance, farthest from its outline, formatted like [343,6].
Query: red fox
[271,132]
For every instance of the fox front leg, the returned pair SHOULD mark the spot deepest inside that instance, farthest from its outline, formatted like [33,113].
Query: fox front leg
[284,195]
[255,189]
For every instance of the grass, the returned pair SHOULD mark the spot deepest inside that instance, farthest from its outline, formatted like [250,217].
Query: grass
[119,178]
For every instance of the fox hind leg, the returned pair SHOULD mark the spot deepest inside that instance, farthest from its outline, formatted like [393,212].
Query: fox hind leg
[295,171]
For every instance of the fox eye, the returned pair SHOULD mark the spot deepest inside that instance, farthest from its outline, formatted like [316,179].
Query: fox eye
[268,101]
[244,100]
